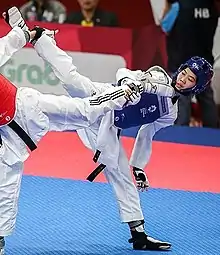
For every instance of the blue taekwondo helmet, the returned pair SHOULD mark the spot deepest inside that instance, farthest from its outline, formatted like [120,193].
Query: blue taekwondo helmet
[203,71]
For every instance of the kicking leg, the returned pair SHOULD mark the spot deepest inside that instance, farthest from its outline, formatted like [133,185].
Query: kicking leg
[66,71]
[67,113]
[74,83]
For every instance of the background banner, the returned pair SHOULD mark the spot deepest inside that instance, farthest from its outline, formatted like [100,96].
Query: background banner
[32,71]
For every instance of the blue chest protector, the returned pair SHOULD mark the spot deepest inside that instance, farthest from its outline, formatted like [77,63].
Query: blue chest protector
[150,108]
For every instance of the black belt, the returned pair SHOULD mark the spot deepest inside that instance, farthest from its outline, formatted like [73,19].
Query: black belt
[100,167]
[96,172]
[23,135]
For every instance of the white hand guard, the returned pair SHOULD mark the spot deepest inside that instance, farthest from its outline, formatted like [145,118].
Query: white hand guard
[133,90]
[159,89]
[141,179]
[156,74]
[133,85]
[156,81]
[133,98]
[13,17]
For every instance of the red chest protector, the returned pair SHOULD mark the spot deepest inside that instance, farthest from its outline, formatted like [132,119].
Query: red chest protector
[7,111]
[7,101]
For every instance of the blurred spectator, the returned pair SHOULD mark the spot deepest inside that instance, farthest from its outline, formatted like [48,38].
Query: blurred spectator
[90,15]
[190,26]
[44,10]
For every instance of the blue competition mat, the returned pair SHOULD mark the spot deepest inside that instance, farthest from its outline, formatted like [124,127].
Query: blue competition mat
[66,217]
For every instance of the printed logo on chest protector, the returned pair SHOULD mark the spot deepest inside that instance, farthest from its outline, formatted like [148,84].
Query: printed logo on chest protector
[122,117]
[145,111]
[150,108]
[3,114]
